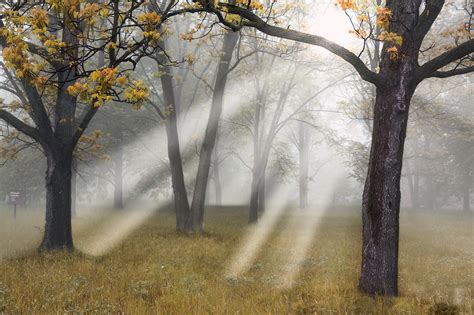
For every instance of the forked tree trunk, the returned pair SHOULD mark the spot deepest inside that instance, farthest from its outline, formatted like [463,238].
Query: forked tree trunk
[181,203]
[381,198]
[58,230]
[118,178]
[207,147]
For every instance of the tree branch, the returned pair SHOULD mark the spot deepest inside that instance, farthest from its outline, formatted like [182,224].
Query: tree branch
[20,125]
[451,73]
[426,19]
[429,68]
[84,123]
[345,54]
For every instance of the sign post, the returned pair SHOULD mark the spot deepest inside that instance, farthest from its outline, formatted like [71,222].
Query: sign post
[14,199]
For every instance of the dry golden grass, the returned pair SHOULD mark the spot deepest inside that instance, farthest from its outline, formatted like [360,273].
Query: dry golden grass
[156,270]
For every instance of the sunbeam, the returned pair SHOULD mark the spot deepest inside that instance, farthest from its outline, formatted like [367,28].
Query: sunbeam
[303,227]
[258,234]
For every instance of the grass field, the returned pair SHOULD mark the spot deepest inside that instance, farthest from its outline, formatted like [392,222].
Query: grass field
[155,270]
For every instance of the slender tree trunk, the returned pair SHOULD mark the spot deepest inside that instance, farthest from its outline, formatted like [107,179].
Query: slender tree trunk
[304,164]
[254,198]
[181,202]
[430,195]
[467,181]
[217,178]
[200,188]
[381,198]
[416,191]
[118,178]
[58,230]
[262,194]
[411,187]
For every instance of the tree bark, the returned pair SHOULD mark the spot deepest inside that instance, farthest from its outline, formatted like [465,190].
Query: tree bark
[58,230]
[200,188]
[381,198]
[118,178]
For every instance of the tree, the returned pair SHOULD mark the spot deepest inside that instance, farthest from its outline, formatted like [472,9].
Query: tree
[190,218]
[75,54]
[406,24]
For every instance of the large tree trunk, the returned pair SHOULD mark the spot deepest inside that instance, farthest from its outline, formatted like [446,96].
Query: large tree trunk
[58,231]
[200,188]
[381,198]
[118,178]
[304,164]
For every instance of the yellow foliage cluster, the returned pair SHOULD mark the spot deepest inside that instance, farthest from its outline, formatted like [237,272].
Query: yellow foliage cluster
[391,37]
[346,4]
[150,21]
[383,17]
[252,4]
[393,52]
[90,142]
[366,13]
[136,94]
[96,90]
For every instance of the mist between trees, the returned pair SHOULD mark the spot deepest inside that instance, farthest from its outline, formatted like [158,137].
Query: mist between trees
[189,104]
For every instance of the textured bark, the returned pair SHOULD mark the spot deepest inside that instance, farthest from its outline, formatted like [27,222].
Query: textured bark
[118,178]
[207,147]
[58,231]
[381,198]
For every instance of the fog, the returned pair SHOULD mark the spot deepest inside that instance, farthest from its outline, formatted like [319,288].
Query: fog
[215,121]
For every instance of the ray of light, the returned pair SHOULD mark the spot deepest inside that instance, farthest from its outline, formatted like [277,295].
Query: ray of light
[119,225]
[258,234]
[303,227]
[116,228]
